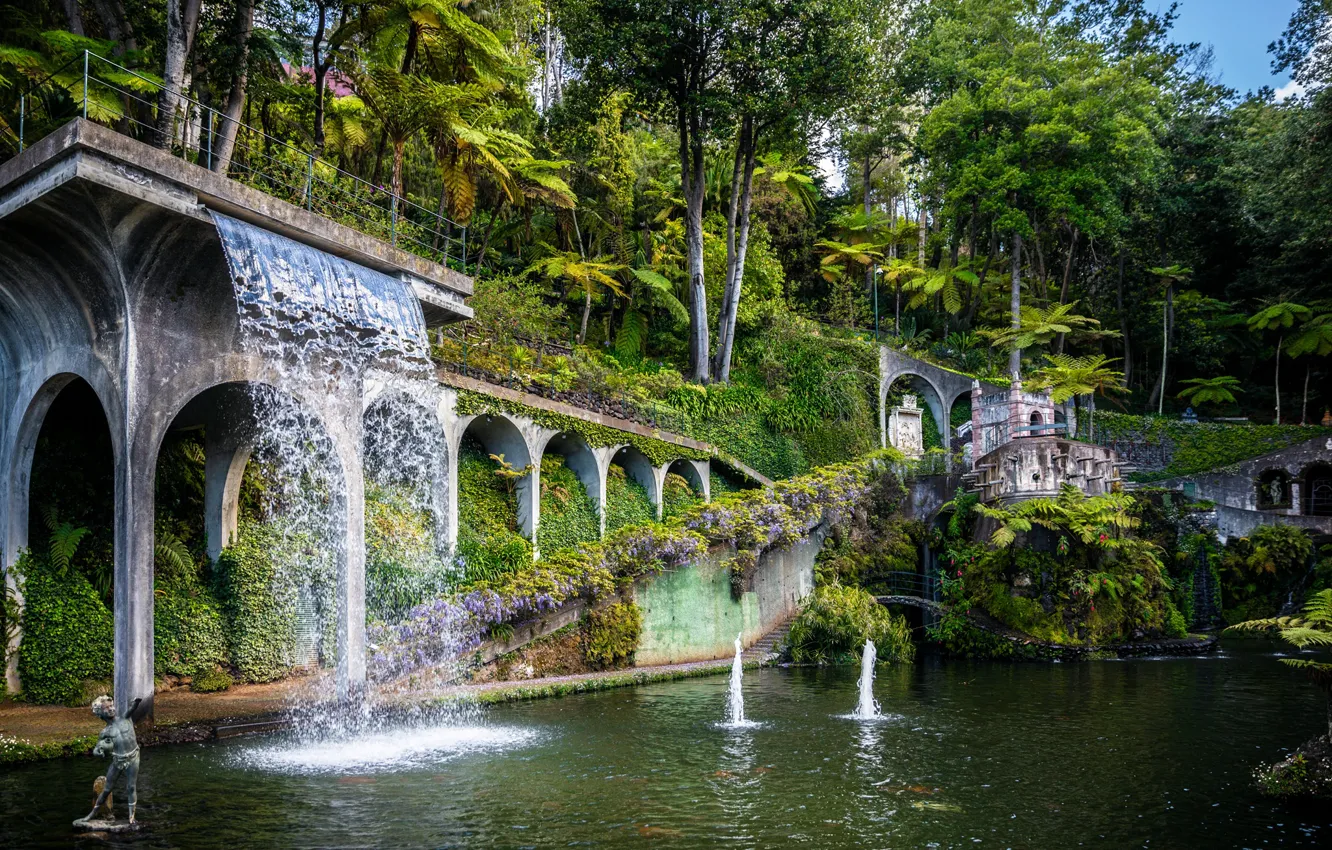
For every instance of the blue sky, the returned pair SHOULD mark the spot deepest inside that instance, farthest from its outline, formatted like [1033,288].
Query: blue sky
[1239,32]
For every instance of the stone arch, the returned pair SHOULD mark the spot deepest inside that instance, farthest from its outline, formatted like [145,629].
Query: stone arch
[929,394]
[1273,489]
[637,466]
[405,446]
[31,420]
[244,418]
[500,435]
[689,470]
[1316,489]
[580,457]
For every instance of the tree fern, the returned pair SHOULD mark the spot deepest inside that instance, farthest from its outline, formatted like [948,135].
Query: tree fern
[632,336]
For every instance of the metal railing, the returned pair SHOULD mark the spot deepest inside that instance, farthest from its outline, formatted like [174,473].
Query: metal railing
[130,103]
[910,584]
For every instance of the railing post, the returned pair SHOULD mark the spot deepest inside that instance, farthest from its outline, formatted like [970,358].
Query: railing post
[464,251]
[393,218]
[23,103]
[464,346]
[209,161]
[309,182]
[85,84]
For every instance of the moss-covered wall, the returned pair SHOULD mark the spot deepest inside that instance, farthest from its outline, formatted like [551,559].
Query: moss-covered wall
[691,614]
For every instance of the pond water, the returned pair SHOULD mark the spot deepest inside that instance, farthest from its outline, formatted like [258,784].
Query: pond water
[1146,753]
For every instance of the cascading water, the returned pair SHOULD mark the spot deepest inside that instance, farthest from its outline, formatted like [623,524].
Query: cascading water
[328,328]
[735,697]
[867,708]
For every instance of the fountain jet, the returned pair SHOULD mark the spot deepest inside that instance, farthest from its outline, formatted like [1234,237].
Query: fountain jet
[735,699]
[867,708]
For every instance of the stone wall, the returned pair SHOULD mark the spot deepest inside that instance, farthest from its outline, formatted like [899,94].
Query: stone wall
[691,615]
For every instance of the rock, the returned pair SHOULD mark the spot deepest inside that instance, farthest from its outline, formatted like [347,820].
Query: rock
[1304,774]
[103,825]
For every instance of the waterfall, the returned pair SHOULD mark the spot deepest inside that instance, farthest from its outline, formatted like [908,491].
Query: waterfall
[735,698]
[295,299]
[867,708]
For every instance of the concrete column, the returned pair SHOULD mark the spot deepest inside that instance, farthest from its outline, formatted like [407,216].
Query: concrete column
[603,457]
[224,467]
[133,586]
[344,424]
[529,506]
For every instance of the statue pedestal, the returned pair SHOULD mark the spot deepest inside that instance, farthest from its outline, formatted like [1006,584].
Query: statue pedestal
[101,825]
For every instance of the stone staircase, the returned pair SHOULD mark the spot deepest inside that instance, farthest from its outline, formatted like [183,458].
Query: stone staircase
[766,649]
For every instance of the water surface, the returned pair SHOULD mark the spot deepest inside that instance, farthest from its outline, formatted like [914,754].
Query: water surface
[1151,753]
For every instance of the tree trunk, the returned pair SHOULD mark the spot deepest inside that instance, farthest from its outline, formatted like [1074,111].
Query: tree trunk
[182,21]
[1165,351]
[1304,403]
[1277,379]
[692,181]
[1063,289]
[73,15]
[1015,306]
[116,24]
[399,148]
[735,273]
[587,311]
[226,142]
[1123,322]
[320,70]
[922,232]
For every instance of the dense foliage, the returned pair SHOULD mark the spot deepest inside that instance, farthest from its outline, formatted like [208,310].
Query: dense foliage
[67,635]
[834,624]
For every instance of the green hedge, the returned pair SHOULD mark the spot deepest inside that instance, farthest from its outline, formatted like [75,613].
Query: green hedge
[611,634]
[260,608]
[677,496]
[189,632]
[402,566]
[835,623]
[68,633]
[568,513]
[489,544]
[627,501]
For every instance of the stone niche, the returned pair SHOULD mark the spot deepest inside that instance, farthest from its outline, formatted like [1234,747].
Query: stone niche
[904,428]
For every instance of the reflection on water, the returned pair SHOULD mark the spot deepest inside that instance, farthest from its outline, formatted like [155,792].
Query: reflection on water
[1132,754]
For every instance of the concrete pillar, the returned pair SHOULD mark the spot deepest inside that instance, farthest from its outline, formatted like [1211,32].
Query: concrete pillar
[133,585]
[224,467]
[344,425]
[603,457]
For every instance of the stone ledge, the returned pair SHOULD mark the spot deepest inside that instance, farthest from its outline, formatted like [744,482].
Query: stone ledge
[231,197]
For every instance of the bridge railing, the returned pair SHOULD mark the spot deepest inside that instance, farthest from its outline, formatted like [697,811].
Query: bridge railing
[911,584]
[98,89]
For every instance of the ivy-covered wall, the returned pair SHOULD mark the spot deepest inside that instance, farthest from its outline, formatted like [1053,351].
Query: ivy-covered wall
[1163,446]
[568,513]
[627,501]
[489,543]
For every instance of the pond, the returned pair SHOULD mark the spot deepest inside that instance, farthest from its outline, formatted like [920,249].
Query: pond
[1144,753]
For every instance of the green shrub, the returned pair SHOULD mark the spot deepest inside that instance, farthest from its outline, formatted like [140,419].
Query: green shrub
[211,681]
[260,606]
[568,513]
[402,566]
[627,501]
[68,633]
[489,544]
[189,634]
[836,621]
[610,635]
[677,496]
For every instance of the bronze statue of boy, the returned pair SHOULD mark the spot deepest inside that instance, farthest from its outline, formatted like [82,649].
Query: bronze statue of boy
[117,739]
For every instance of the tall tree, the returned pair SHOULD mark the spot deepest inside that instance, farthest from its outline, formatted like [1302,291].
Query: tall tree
[182,21]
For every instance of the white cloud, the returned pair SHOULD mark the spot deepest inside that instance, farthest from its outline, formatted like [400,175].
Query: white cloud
[1289,90]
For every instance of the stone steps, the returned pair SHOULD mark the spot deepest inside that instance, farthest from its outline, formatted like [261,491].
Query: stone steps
[766,649]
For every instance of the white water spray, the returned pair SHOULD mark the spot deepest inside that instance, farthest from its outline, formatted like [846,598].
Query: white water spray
[867,708]
[735,698]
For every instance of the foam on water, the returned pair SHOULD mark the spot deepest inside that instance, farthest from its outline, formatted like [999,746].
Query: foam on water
[384,750]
